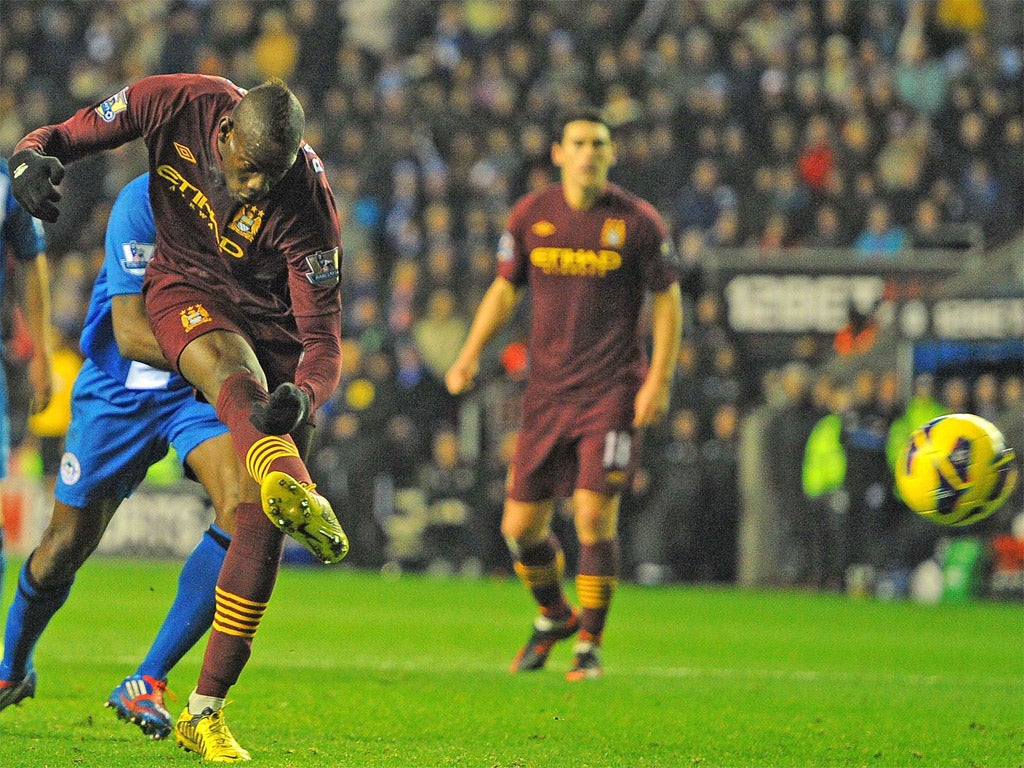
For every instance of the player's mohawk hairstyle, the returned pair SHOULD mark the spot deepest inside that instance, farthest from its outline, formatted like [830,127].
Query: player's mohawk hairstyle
[271,110]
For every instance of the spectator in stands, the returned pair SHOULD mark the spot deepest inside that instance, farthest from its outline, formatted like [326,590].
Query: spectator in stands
[817,156]
[881,238]
[926,228]
[776,236]
[701,200]
[984,201]
[920,78]
[448,483]
[789,425]
[865,433]
[439,333]
[717,511]
[1011,395]
[666,538]
[276,49]
[824,486]
[858,334]
[348,457]
[828,231]
[985,396]
[956,395]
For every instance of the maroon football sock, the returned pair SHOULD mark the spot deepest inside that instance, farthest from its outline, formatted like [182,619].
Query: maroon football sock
[243,591]
[595,585]
[540,567]
[259,453]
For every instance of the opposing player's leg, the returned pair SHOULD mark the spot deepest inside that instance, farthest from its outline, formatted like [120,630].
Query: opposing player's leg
[596,517]
[540,564]
[43,587]
[210,457]
[108,449]
[223,366]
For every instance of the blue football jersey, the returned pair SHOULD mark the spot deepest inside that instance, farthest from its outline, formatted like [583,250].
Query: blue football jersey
[124,414]
[130,243]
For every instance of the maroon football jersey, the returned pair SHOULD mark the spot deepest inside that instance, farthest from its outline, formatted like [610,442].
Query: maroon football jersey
[588,272]
[277,260]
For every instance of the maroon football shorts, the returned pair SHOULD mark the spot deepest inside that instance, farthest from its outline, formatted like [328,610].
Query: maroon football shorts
[563,446]
[180,312]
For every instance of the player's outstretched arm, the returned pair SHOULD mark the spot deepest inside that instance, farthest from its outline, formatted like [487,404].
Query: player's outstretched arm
[652,400]
[494,311]
[134,337]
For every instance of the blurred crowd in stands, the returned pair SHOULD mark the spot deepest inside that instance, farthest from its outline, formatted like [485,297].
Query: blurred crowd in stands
[879,126]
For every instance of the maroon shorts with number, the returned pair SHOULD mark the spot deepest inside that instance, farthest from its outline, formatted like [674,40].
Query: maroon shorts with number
[180,312]
[564,446]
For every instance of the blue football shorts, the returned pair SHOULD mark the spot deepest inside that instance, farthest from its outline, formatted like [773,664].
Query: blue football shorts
[116,434]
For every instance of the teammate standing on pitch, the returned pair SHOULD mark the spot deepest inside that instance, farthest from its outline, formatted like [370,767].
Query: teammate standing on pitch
[126,409]
[22,238]
[243,297]
[589,252]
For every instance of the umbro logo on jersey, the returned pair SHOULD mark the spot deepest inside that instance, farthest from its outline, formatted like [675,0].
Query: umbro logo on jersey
[543,228]
[184,153]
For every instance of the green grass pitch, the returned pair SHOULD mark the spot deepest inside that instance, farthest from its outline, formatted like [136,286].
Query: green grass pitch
[351,670]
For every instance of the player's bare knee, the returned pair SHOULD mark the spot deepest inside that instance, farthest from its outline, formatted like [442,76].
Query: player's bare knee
[209,360]
[61,552]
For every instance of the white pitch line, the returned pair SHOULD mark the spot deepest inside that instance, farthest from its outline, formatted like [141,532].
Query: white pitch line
[462,665]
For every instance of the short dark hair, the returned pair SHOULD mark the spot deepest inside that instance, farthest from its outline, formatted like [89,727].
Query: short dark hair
[587,114]
[272,111]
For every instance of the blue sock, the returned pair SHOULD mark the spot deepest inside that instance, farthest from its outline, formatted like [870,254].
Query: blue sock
[31,611]
[192,610]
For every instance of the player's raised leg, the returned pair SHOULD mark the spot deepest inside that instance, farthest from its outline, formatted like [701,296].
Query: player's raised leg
[224,368]
[540,564]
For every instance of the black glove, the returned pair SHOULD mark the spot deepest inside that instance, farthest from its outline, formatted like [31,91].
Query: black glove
[287,408]
[33,182]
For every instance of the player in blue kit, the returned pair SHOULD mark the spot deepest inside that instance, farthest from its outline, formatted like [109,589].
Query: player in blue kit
[127,408]
[21,236]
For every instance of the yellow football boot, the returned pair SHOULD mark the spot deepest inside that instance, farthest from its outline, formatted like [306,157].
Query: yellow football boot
[208,736]
[298,510]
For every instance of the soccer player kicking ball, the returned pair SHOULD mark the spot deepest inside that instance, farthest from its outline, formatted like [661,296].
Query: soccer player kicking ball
[588,251]
[126,409]
[243,297]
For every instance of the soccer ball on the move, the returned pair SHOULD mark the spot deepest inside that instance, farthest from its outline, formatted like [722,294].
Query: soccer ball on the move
[956,469]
